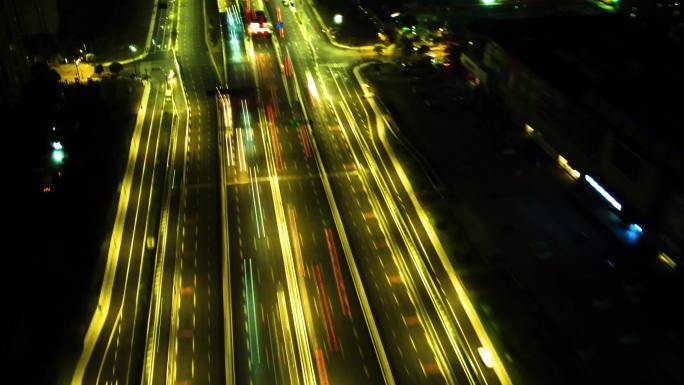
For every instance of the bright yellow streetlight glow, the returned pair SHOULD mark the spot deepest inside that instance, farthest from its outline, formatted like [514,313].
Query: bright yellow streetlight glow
[669,262]
[312,85]
[563,163]
[486,356]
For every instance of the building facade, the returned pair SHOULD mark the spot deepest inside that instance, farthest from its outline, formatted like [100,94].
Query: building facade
[19,20]
[632,144]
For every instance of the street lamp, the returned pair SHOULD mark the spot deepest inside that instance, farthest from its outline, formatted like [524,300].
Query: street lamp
[78,75]
[337,19]
[134,49]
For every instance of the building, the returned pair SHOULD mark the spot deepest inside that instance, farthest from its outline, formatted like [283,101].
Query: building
[21,20]
[600,94]
[14,68]
[37,16]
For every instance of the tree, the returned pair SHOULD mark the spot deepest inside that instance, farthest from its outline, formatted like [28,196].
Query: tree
[115,67]
[453,52]
[99,69]
[423,49]
[42,73]
[406,46]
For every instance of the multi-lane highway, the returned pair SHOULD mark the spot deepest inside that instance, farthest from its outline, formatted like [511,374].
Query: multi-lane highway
[112,344]
[296,311]
[193,342]
[267,232]
[159,315]
[429,327]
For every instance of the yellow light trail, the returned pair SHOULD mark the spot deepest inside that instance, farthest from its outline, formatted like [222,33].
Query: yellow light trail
[226,115]
[242,157]
[290,274]
[499,369]
[172,347]
[172,352]
[104,301]
[382,125]
[225,159]
[426,320]
[289,346]
[145,234]
[455,339]
[153,340]
[230,154]
[312,86]
[299,262]
[351,263]
[256,200]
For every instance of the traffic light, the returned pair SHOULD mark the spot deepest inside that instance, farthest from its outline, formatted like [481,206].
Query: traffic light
[58,154]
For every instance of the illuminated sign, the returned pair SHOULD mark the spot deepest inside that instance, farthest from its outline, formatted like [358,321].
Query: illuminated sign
[603,192]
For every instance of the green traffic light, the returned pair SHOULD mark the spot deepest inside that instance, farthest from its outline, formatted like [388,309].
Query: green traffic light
[58,156]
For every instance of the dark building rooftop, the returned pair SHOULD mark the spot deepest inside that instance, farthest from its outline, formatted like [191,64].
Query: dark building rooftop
[631,68]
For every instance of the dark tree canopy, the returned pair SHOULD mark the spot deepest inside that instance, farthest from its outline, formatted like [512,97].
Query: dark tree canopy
[115,67]
[423,49]
[42,73]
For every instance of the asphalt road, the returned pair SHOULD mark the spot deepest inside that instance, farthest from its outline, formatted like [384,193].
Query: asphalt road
[112,357]
[113,347]
[321,221]
[162,291]
[428,325]
[296,313]
[194,353]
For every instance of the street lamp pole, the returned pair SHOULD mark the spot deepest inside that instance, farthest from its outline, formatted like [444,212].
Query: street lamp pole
[134,49]
[78,74]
